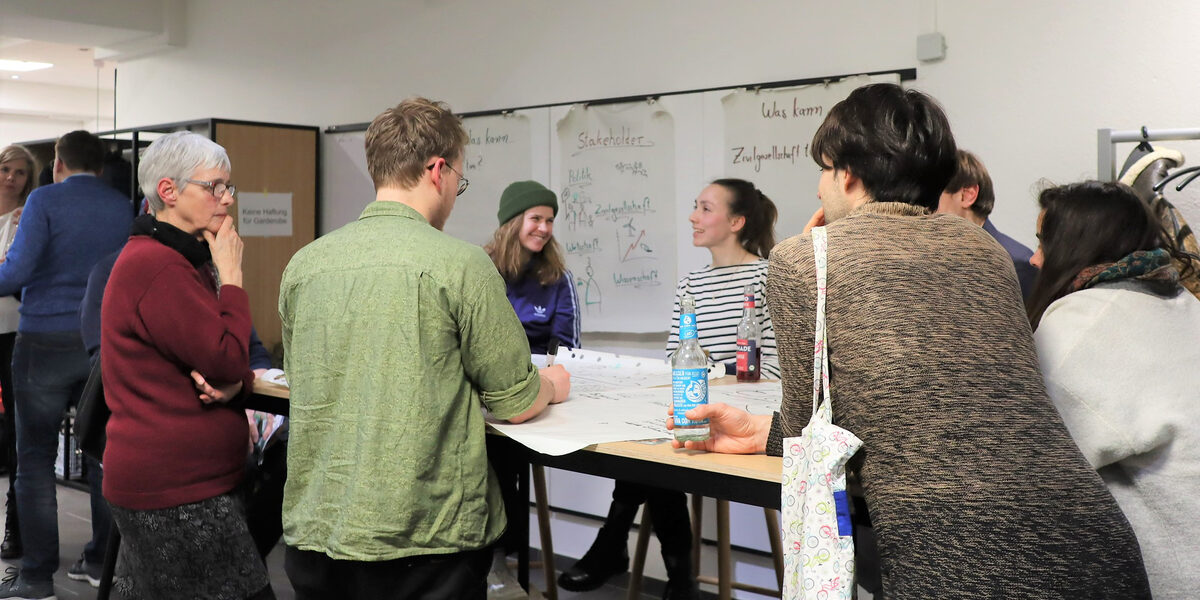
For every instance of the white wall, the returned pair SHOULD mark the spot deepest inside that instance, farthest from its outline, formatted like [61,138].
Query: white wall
[20,128]
[328,63]
[34,111]
[1026,82]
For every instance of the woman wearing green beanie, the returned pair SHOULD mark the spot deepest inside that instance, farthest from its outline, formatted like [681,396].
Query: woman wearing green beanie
[542,292]
[540,288]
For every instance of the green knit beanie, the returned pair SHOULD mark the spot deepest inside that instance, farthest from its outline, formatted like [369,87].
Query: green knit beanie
[522,196]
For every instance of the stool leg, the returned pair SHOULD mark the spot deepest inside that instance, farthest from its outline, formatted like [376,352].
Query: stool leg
[639,557]
[775,535]
[697,529]
[543,513]
[110,563]
[724,555]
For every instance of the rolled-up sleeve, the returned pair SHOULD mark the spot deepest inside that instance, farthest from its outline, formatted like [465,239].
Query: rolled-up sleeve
[495,351]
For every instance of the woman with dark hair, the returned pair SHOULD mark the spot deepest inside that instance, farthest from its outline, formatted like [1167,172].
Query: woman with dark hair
[538,284]
[736,223]
[972,481]
[1117,340]
[16,181]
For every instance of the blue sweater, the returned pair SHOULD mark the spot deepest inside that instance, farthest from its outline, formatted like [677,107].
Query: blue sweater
[65,229]
[1026,273]
[546,311]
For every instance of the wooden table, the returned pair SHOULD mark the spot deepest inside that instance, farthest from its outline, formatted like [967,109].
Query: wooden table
[746,479]
[269,397]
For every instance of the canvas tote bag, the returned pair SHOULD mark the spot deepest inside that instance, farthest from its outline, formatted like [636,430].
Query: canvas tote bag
[818,547]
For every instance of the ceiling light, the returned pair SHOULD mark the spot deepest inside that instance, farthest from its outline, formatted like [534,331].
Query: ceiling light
[16,76]
[22,65]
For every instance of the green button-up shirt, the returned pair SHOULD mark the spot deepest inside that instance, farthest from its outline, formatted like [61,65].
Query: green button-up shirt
[394,333]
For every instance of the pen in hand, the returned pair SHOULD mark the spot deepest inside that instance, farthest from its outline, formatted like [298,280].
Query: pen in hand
[551,351]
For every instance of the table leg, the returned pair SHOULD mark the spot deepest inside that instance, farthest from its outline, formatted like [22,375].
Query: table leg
[522,525]
[543,512]
[724,554]
[776,536]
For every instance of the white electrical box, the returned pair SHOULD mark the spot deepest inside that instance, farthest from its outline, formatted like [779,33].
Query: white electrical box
[931,46]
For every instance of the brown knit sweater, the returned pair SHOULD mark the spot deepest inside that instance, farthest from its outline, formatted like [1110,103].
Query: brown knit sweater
[973,483]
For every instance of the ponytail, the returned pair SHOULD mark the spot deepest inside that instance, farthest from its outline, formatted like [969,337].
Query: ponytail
[747,201]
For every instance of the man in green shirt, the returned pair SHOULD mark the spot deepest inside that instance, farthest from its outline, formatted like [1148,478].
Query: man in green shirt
[395,334]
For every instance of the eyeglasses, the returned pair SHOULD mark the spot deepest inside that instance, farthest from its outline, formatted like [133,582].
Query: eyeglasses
[215,188]
[463,182]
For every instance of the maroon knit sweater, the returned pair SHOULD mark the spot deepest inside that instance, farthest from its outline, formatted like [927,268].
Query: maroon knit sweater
[161,318]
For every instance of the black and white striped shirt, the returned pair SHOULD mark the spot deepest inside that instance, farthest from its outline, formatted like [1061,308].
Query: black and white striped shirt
[718,295]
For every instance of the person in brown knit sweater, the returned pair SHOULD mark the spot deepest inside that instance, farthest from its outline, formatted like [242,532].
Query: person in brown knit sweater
[973,483]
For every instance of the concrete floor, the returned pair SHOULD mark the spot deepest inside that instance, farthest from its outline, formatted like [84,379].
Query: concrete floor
[74,530]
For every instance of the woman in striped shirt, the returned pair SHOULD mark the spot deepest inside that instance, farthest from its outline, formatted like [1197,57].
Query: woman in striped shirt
[736,222]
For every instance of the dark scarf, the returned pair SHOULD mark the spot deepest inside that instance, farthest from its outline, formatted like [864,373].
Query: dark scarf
[1152,267]
[194,250]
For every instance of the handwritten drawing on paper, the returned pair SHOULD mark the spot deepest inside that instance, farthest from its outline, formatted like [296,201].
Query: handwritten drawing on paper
[618,398]
[616,211]
[497,154]
[594,418]
[767,138]
[594,371]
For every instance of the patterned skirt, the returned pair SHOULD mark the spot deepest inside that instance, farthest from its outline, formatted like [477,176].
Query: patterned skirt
[201,550]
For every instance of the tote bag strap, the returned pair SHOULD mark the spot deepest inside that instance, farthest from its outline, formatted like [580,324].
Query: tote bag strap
[820,344]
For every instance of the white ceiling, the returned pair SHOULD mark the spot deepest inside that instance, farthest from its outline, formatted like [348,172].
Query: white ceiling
[73,65]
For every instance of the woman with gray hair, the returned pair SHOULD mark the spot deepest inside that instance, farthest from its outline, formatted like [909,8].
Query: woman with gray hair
[16,181]
[175,320]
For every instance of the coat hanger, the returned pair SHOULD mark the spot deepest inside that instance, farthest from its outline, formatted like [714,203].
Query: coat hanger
[1144,145]
[1180,187]
[1158,187]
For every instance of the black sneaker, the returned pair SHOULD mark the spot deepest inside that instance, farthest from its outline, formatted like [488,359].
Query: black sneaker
[83,570]
[15,587]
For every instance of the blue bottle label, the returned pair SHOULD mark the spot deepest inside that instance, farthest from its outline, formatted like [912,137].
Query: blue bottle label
[687,326]
[689,389]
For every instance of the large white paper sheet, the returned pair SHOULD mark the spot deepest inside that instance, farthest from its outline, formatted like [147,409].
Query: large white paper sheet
[594,418]
[593,371]
[616,218]
[599,410]
[497,154]
[762,398]
[767,134]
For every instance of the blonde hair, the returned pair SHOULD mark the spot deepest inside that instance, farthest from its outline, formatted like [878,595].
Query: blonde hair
[401,139]
[18,152]
[506,251]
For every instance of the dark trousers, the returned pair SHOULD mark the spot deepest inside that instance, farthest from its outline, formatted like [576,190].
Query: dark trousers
[507,468]
[460,576]
[49,370]
[9,450]
[264,496]
[668,513]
